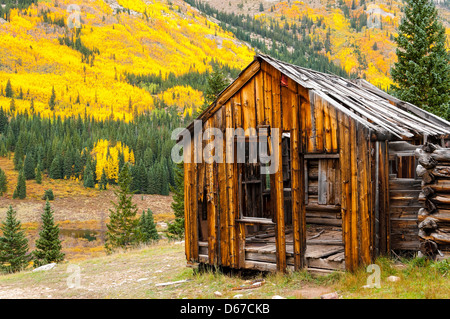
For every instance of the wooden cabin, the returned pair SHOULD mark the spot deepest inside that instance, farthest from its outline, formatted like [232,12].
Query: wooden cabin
[345,192]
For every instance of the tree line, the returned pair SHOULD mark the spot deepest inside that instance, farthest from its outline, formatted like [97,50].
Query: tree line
[63,149]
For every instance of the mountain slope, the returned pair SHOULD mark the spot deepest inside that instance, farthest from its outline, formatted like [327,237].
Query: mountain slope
[356,35]
[87,66]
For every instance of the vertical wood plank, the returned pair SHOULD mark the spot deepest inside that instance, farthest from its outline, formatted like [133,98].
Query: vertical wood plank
[259,98]
[323,182]
[319,123]
[267,98]
[298,213]
[327,129]
[187,206]
[248,105]
[365,241]
[354,156]
[278,177]
[231,189]
[310,125]
[211,205]
[346,191]
[236,105]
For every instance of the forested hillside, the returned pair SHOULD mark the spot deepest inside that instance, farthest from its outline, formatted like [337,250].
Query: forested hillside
[347,37]
[96,69]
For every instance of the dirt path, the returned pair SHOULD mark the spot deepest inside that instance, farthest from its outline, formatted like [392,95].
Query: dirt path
[137,273]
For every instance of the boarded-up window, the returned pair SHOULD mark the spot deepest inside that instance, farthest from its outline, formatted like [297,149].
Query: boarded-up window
[323,182]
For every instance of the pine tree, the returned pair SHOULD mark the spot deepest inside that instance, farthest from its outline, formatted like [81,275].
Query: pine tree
[123,226]
[3,121]
[52,101]
[147,227]
[88,176]
[68,165]
[176,228]
[3,182]
[13,244]
[12,106]
[56,171]
[32,106]
[38,174]
[29,167]
[21,188]
[151,181]
[103,180]
[48,245]
[8,89]
[217,81]
[48,195]
[422,73]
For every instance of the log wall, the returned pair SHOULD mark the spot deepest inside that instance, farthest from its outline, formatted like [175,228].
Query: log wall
[434,216]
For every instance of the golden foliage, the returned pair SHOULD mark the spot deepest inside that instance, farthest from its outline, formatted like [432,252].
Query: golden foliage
[154,37]
[107,158]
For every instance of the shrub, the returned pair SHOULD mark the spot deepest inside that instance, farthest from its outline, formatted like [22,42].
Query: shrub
[48,195]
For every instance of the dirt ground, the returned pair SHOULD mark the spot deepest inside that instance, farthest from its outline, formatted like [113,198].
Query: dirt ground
[139,274]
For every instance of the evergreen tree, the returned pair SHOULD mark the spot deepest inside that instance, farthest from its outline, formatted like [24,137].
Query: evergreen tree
[8,89]
[29,167]
[52,101]
[176,229]
[77,164]
[32,106]
[13,244]
[68,165]
[21,188]
[48,195]
[261,7]
[88,176]
[12,106]
[38,174]
[147,227]
[103,180]
[217,82]
[123,226]
[151,181]
[3,182]
[422,73]
[48,245]
[56,171]
[164,180]
[3,121]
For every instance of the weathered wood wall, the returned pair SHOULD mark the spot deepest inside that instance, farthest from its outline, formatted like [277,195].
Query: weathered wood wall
[319,133]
